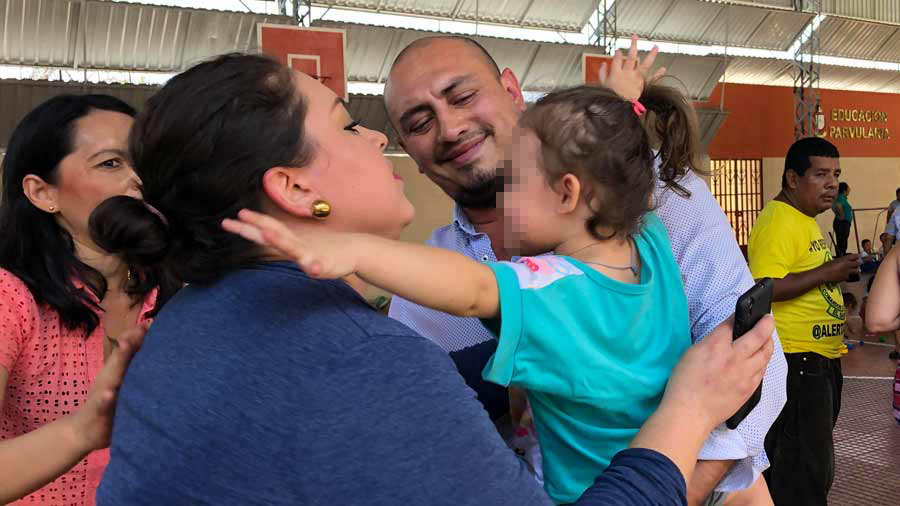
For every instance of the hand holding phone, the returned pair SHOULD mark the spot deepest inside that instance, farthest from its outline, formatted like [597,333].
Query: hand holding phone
[750,308]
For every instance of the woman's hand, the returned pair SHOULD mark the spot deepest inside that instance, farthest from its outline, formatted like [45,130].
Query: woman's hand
[715,377]
[627,76]
[320,254]
[711,381]
[92,424]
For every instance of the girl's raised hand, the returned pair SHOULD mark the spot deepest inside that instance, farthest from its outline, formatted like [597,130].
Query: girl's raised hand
[628,75]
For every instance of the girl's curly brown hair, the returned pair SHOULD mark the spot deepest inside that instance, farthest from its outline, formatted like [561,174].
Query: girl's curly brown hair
[596,135]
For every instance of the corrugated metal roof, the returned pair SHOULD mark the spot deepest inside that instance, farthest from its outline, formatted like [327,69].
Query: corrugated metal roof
[697,22]
[540,66]
[778,73]
[113,35]
[778,4]
[527,13]
[370,111]
[18,98]
[767,71]
[882,11]
[859,39]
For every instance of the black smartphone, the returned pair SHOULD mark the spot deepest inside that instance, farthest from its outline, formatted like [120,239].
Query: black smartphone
[751,307]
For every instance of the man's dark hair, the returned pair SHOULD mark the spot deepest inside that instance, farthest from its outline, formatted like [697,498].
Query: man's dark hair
[843,187]
[798,154]
[864,241]
[425,41]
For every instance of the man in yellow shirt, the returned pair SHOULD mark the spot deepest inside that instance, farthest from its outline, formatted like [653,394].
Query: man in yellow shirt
[787,246]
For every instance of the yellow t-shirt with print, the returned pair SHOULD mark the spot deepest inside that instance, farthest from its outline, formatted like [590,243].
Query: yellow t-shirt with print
[785,241]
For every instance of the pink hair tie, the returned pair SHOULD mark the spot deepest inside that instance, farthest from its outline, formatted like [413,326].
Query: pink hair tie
[639,108]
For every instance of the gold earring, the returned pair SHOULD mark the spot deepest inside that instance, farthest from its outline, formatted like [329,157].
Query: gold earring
[52,208]
[321,209]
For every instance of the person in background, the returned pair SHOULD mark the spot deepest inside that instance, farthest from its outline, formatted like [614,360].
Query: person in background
[893,205]
[869,257]
[892,224]
[853,327]
[843,219]
[867,251]
[787,246]
[64,299]
[883,312]
[886,241]
[862,312]
[260,385]
[455,113]
[896,397]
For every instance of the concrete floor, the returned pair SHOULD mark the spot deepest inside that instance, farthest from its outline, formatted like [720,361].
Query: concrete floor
[867,438]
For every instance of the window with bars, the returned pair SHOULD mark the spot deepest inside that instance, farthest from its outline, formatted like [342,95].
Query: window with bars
[737,185]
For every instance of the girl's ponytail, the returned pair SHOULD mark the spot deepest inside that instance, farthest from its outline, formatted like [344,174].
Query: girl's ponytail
[673,123]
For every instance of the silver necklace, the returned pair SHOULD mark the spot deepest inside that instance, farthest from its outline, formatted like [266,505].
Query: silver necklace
[634,268]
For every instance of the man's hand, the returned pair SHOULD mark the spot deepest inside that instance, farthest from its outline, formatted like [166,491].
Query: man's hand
[797,283]
[841,268]
[627,76]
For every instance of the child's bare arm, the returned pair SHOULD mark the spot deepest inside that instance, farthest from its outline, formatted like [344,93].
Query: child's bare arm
[433,277]
[883,307]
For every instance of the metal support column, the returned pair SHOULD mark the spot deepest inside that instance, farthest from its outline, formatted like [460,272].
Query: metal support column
[805,70]
[606,30]
[303,16]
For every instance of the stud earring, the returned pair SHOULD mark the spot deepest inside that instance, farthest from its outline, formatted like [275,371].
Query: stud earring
[321,209]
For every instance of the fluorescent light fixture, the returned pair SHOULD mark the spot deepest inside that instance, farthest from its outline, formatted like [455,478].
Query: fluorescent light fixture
[256,6]
[536,35]
[363,88]
[491,30]
[446,25]
[67,74]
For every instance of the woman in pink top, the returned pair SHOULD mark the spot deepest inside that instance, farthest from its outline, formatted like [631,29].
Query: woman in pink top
[63,299]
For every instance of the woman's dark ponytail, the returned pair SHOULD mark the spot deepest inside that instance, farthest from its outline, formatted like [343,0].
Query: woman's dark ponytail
[128,227]
[125,226]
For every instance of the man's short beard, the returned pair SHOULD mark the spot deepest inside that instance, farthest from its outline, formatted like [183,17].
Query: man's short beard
[481,194]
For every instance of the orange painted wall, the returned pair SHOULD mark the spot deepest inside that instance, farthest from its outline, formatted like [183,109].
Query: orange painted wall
[760,124]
